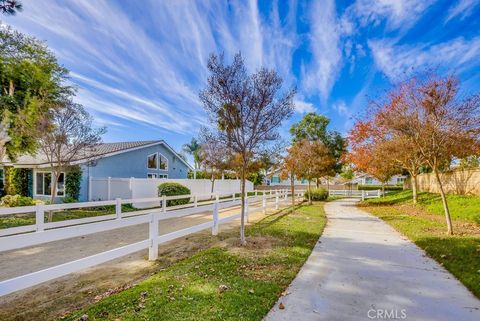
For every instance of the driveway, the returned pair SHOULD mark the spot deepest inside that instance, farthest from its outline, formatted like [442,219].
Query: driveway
[362,269]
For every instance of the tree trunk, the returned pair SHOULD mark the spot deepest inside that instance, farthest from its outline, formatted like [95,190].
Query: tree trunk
[445,204]
[309,194]
[383,189]
[243,241]
[53,190]
[292,186]
[11,88]
[318,182]
[414,188]
[213,185]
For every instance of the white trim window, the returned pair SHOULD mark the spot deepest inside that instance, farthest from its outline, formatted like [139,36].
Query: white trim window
[43,184]
[151,175]
[152,161]
[162,176]
[163,163]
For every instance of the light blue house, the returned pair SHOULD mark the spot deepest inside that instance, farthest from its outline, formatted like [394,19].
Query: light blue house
[138,159]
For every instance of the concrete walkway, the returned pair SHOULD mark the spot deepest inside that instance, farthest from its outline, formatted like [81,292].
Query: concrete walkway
[362,269]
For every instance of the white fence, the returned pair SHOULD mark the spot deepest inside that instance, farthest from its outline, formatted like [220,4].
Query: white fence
[55,231]
[356,193]
[109,188]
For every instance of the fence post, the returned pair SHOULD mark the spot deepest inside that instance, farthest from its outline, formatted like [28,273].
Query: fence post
[264,203]
[109,187]
[215,218]
[90,188]
[256,193]
[363,195]
[233,197]
[195,201]
[40,217]
[118,208]
[378,193]
[153,235]
[276,200]
[164,203]
[247,214]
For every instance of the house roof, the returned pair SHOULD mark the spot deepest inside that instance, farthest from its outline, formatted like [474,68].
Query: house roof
[100,151]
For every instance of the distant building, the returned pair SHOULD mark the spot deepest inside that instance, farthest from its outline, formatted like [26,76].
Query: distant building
[365,179]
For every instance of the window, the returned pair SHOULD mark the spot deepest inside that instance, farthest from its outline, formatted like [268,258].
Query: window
[43,184]
[152,161]
[163,163]
[368,181]
[1,180]
[153,175]
[61,185]
[400,180]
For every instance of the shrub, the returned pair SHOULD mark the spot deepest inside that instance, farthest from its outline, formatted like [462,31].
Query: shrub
[16,200]
[72,183]
[318,194]
[172,189]
[17,180]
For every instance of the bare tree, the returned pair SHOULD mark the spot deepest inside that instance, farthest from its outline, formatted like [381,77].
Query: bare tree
[213,155]
[68,136]
[10,7]
[247,110]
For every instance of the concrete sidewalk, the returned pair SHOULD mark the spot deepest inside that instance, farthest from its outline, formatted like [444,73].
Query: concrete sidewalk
[362,269]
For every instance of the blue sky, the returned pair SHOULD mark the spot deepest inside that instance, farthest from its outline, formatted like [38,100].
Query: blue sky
[139,65]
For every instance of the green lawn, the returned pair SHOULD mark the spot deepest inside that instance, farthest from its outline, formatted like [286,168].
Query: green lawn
[226,282]
[463,207]
[424,224]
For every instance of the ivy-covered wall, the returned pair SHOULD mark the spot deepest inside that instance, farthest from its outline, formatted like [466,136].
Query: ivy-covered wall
[18,181]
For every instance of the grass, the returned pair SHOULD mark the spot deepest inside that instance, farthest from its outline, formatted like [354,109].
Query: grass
[29,218]
[424,224]
[226,282]
[462,207]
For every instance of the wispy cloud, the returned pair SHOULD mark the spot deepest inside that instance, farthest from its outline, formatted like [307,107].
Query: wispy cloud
[304,107]
[149,66]
[397,14]
[320,74]
[397,60]
[462,9]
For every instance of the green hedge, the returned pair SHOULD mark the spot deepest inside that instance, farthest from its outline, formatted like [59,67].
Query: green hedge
[376,187]
[318,194]
[173,189]
[72,184]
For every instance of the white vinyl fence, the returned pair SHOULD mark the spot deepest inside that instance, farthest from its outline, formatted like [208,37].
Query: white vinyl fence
[356,193]
[110,188]
[43,232]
